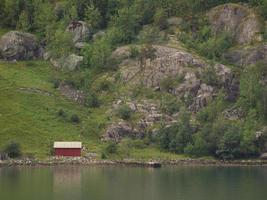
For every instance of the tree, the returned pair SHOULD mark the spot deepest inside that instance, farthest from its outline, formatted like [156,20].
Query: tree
[127,21]
[13,150]
[23,22]
[229,146]
[93,17]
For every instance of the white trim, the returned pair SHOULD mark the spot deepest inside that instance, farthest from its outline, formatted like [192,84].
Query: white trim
[66,145]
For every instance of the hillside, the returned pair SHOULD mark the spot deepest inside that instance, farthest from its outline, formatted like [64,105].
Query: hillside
[162,83]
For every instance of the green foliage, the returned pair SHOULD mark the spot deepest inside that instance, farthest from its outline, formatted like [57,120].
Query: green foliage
[92,101]
[150,34]
[75,119]
[127,21]
[98,55]
[13,150]
[93,16]
[229,146]
[61,44]
[124,112]
[176,137]
[23,22]
[210,77]
[160,19]
[110,148]
[253,89]
[170,104]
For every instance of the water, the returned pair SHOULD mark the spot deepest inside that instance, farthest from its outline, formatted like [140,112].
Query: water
[129,183]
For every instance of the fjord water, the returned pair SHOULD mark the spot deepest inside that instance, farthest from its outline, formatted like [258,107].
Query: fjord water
[129,183]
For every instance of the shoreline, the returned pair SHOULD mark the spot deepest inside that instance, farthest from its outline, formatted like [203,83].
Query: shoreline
[131,162]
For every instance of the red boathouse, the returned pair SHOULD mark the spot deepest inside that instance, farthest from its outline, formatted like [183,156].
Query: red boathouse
[72,149]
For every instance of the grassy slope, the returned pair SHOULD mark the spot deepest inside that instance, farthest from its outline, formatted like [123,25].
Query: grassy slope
[31,119]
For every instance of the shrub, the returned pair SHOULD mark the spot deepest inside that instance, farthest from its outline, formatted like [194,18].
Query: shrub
[149,34]
[111,148]
[134,52]
[92,101]
[104,85]
[229,146]
[124,112]
[56,83]
[210,77]
[167,84]
[75,119]
[13,150]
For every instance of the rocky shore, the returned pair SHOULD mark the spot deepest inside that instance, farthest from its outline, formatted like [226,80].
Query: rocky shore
[54,161]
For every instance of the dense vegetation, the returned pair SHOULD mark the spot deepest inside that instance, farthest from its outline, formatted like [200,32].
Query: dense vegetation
[131,22]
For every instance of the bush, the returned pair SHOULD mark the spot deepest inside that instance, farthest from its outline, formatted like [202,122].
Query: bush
[92,101]
[124,112]
[75,119]
[111,148]
[229,147]
[13,150]
[210,77]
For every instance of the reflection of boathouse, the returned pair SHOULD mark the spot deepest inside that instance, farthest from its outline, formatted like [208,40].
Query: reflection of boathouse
[67,179]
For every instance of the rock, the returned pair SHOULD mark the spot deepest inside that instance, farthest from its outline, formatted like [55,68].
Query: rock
[174,21]
[234,113]
[80,30]
[173,64]
[98,35]
[116,132]
[243,55]
[239,21]
[204,95]
[71,93]
[16,45]
[79,45]
[70,63]
[263,156]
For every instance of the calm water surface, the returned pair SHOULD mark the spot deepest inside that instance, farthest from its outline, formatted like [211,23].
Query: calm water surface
[121,183]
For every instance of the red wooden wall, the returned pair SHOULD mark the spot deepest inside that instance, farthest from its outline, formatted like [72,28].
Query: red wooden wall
[68,152]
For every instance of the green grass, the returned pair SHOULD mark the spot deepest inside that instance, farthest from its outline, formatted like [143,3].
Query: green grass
[31,118]
[3,31]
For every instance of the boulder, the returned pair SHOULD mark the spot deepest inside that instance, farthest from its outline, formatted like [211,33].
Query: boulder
[16,45]
[263,156]
[80,30]
[204,95]
[69,63]
[240,22]
[117,131]
[243,55]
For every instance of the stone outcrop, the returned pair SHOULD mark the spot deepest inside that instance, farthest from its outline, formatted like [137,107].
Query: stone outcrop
[16,45]
[243,56]
[119,130]
[170,63]
[69,63]
[71,93]
[150,115]
[240,22]
[80,30]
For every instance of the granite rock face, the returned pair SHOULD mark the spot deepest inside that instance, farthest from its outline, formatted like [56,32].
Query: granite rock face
[16,45]
[69,63]
[80,30]
[170,63]
[240,22]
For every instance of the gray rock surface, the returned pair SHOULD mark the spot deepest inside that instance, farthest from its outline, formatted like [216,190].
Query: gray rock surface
[240,22]
[80,30]
[69,63]
[16,45]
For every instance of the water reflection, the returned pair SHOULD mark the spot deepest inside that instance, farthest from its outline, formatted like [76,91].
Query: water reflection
[119,183]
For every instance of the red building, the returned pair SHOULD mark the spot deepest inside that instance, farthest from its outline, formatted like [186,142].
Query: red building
[72,149]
